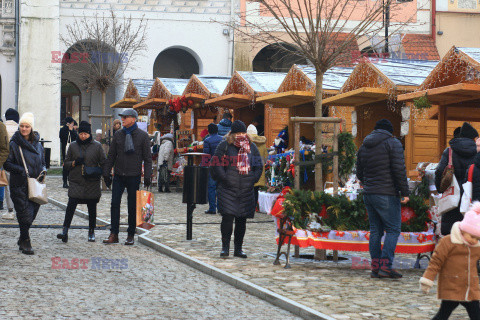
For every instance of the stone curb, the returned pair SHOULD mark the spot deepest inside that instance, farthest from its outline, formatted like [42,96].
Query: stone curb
[253,289]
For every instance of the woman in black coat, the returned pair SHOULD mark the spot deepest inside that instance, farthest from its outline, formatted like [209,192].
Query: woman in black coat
[89,153]
[464,150]
[26,141]
[236,175]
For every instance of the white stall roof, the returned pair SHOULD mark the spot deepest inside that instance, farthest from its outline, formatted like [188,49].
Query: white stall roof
[333,79]
[214,84]
[263,81]
[175,86]
[405,72]
[473,53]
[143,86]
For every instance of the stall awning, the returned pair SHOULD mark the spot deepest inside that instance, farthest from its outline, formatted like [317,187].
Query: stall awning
[446,95]
[456,113]
[154,103]
[231,101]
[357,97]
[195,97]
[288,99]
[124,103]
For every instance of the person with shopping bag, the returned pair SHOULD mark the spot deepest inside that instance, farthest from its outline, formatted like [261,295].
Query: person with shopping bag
[85,160]
[463,150]
[165,162]
[130,149]
[25,160]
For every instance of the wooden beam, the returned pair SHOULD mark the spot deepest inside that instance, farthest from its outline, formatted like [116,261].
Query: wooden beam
[154,103]
[124,103]
[288,99]
[231,101]
[357,97]
[315,119]
[442,131]
[447,94]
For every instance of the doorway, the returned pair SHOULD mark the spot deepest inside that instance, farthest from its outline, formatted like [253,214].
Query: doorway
[70,101]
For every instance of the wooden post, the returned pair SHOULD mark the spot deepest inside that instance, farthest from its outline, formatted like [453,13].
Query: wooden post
[442,129]
[318,151]
[297,155]
[335,158]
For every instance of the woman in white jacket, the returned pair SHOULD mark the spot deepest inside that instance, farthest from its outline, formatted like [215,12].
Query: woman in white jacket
[165,161]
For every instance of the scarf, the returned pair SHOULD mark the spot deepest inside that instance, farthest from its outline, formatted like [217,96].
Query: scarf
[86,141]
[243,164]
[129,147]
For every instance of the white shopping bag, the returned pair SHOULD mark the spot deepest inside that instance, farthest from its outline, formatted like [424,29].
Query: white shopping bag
[467,191]
[450,198]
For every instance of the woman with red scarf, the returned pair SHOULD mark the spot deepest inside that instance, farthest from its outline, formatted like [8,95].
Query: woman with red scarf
[237,166]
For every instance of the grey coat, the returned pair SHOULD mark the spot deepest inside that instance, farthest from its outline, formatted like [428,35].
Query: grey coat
[94,156]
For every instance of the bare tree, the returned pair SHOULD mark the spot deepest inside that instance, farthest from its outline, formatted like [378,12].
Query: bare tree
[323,31]
[101,48]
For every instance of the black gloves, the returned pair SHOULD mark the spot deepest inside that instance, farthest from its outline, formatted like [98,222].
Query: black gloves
[108,181]
[147,182]
[79,161]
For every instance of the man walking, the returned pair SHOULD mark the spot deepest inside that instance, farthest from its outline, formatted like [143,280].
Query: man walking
[225,125]
[209,146]
[381,170]
[130,147]
[67,135]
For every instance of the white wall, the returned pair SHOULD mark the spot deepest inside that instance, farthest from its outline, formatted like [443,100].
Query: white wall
[39,90]
[7,72]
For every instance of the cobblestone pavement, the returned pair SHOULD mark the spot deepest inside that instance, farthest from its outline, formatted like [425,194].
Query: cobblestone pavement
[332,288]
[136,283]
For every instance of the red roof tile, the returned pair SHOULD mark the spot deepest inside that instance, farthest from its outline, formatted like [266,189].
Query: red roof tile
[420,47]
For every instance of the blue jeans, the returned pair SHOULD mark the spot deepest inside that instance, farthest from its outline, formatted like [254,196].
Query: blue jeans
[119,184]
[2,194]
[212,194]
[384,214]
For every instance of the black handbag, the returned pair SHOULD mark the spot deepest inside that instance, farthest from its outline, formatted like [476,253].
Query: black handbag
[91,173]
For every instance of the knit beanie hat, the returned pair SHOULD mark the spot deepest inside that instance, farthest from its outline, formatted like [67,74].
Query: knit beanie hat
[468,131]
[212,128]
[252,129]
[85,127]
[385,125]
[471,220]
[27,118]
[456,132]
[12,114]
[238,126]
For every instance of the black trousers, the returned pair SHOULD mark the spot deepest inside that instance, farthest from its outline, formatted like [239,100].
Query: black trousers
[132,184]
[64,170]
[256,189]
[447,307]
[92,212]
[226,227]
[25,218]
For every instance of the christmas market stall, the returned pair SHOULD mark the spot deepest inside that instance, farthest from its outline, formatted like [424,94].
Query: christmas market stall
[372,90]
[449,95]
[156,103]
[241,93]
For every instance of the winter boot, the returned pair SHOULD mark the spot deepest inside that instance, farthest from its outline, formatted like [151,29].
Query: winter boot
[26,247]
[238,252]
[91,235]
[225,248]
[63,235]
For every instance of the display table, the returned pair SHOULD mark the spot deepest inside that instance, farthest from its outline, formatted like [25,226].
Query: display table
[266,201]
[408,242]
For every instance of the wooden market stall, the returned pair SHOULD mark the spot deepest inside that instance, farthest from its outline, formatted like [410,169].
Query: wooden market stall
[161,91]
[296,94]
[453,91]
[137,91]
[372,90]
[241,94]
[199,89]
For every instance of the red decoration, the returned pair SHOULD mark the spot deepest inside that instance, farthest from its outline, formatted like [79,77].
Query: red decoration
[340,234]
[367,235]
[407,214]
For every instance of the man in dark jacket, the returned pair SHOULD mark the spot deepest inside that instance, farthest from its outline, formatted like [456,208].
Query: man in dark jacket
[209,146]
[225,124]
[381,170]
[464,150]
[67,135]
[130,147]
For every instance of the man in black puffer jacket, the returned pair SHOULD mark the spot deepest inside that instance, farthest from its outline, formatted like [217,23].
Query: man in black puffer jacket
[381,170]
[464,150]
